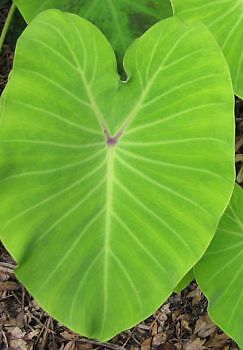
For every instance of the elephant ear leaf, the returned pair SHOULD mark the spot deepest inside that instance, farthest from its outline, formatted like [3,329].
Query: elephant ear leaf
[224,19]
[220,272]
[111,189]
[120,20]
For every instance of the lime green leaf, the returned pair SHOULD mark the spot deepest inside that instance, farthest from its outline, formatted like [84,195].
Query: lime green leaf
[220,272]
[186,280]
[224,19]
[109,189]
[120,20]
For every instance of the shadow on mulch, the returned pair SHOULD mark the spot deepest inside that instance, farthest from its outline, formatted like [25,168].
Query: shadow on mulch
[181,323]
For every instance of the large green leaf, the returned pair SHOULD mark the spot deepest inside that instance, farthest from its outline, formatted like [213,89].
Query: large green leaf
[120,20]
[224,18]
[95,221]
[220,272]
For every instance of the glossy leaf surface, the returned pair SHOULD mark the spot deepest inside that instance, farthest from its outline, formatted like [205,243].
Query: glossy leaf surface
[220,272]
[109,189]
[120,20]
[224,18]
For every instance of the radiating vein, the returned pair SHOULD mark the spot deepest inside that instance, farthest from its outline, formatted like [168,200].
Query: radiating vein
[140,244]
[178,87]
[55,195]
[84,53]
[129,279]
[69,251]
[224,266]
[92,101]
[173,116]
[58,117]
[225,14]
[161,186]
[223,250]
[238,220]
[166,164]
[151,56]
[171,142]
[231,32]
[80,284]
[234,233]
[49,171]
[55,144]
[231,218]
[55,52]
[140,78]
[95,65]
[182,58]
[229,286]
[59,86]
[71,210]
[235,307]
[135,110]
[240,63]
[157,217]
[206,5]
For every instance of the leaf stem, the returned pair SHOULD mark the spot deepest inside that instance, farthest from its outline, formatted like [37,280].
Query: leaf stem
[6,25]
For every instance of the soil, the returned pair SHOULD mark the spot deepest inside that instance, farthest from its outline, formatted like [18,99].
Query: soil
[181,323]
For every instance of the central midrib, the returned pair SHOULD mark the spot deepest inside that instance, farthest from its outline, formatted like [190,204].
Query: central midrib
[111,142]
[108,211]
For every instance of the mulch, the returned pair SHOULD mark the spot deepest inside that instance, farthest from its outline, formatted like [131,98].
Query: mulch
[181,323]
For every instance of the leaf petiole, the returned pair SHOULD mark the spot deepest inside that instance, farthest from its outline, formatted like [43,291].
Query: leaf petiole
[6,25]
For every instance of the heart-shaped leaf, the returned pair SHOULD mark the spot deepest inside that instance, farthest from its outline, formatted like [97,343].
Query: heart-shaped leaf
[224,19]
[120,20]
[220,272]
[111,190]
